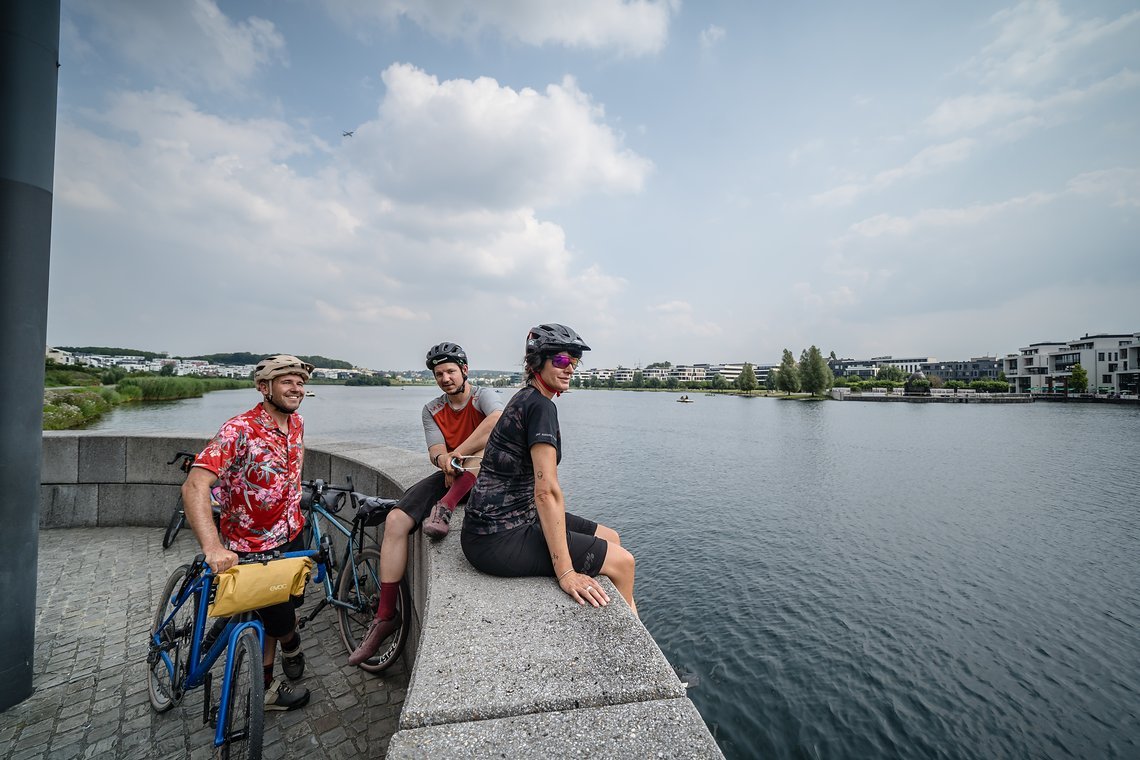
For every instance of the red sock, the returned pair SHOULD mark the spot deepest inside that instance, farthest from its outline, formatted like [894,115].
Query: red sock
[458,490]
[386,610]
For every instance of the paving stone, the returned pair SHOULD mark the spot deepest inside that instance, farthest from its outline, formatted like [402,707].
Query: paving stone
[89,672]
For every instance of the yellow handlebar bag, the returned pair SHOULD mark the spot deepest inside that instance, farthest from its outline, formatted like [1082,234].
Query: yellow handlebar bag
[251,587]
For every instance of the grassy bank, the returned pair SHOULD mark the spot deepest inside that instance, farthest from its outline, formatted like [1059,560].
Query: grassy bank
[74,407]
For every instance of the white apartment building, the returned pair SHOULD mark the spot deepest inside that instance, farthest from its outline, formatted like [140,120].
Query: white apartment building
[907,365]
[686,373]
[1109,359]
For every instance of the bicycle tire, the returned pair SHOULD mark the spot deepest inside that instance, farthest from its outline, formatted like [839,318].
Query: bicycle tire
[353,623]
[245,714]
[177,520]
[163,685]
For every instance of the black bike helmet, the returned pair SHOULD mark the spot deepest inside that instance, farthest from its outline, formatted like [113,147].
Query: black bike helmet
[552,338]
[446,352]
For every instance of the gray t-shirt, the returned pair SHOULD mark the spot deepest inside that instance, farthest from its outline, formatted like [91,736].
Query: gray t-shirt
[450,427]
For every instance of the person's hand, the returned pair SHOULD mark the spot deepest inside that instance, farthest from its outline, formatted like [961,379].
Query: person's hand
[221,559]
[584,589]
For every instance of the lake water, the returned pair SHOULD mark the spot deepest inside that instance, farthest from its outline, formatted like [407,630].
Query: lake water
[848,580]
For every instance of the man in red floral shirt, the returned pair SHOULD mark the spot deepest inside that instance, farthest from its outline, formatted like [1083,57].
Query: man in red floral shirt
[256,459]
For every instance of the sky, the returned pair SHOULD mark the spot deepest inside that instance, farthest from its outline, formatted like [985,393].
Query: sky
[677,181]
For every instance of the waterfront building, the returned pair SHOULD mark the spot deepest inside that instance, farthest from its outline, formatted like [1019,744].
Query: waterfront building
[1109,360]
[977,368]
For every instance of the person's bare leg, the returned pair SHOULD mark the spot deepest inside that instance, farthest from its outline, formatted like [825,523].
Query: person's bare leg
[619,567]
[394,547]
[609,534]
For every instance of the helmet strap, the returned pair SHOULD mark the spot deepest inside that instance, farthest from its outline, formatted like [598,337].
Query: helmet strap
[270,400]
[548,389]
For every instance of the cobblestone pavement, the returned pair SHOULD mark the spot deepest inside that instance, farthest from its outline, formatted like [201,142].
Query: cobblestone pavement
[96,596]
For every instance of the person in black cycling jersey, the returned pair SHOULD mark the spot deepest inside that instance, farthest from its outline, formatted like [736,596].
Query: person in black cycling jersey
[456,424]
[516,523]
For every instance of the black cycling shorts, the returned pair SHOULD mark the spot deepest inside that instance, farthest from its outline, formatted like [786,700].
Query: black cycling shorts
[522,551]
[418,500]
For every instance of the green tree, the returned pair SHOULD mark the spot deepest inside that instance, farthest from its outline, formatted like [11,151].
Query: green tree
[770,380]
[638,380]
[1078,379]
[815,376]
[892,374]
[167,370]
[788,378]
[746,380]
[662,365]
[718,383]
[672,383]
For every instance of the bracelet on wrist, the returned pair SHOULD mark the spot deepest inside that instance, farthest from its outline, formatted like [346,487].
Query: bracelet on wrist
[565,574]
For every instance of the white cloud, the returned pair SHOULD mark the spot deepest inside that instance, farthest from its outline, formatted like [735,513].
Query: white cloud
[1121,184]
[191,42]
[680,319]
[467,143]
[926,161]
[711,36]
[887,224]
[632,27]
[1036,41]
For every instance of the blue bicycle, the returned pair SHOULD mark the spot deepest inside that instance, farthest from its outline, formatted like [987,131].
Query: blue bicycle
[182,654]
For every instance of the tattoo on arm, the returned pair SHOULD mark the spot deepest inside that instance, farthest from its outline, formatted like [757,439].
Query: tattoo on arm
[538,475]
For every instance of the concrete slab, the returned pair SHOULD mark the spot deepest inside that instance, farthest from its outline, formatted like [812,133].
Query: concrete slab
[136,504]
[498,647]
[147,458]
[102,459]
[67,506]
[662,728]
[60,460]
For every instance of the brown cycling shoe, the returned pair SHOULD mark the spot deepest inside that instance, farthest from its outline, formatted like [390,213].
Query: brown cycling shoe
[439,522]
[377,632]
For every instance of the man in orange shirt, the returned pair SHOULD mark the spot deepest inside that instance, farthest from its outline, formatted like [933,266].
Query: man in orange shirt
[456,424]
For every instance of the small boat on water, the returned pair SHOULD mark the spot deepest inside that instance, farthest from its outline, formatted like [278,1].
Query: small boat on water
[684,399]
[309,394]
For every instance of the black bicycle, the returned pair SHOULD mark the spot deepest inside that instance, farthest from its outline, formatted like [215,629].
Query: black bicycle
[355,591]
[185,461]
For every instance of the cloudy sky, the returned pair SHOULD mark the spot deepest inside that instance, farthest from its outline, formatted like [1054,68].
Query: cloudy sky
[683,181]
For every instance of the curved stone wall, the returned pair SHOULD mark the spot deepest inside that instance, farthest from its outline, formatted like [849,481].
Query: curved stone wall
[504,667]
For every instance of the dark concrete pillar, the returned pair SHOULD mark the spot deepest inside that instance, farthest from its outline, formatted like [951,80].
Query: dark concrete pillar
[29,51]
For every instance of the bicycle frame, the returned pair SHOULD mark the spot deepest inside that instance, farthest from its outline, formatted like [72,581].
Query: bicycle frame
[316,510]
[199,664]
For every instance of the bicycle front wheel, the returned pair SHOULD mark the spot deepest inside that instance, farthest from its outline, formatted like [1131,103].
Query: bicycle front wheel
[359,587]
[169,648]
[177,520]
[244,720]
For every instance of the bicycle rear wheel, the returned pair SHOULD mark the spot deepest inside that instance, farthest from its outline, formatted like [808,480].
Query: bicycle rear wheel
[244,720]
[361,590]
[177,520]
[164,674]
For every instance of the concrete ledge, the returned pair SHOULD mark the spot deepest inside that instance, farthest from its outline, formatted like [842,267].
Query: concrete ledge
[512,667]
[576,656]
[662,728]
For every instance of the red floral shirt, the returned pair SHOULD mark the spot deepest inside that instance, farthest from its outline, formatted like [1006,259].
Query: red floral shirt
[259,474]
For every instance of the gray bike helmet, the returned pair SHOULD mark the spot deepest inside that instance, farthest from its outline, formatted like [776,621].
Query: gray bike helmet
[552,338]
[446,352]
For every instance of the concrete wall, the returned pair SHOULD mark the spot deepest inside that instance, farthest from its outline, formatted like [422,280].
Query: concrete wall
[503,667]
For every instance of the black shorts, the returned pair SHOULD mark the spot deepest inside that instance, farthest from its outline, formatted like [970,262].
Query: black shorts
[418,500]
[522,551]
[280,619]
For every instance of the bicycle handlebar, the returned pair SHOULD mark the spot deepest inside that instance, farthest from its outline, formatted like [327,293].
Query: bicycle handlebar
[180,455]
